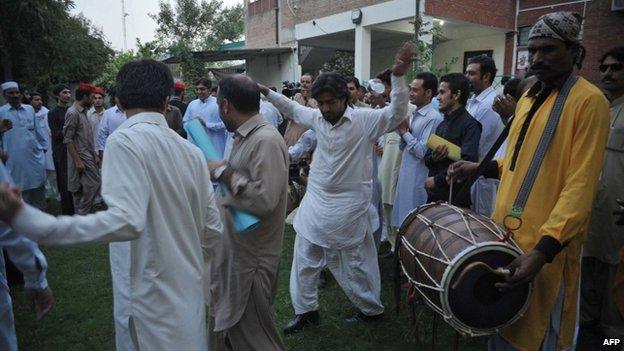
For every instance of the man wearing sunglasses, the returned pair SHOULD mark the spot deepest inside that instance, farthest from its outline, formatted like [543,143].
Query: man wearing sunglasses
[601,254]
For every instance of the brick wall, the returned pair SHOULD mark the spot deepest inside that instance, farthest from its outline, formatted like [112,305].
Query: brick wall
[496,13]
[602,28]
[259,27]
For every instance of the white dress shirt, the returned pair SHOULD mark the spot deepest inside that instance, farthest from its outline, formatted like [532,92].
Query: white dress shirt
[159,196]
[336,211]
[480,108]
[483,191]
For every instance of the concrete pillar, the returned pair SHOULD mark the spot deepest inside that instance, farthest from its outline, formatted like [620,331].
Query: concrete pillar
[362,52]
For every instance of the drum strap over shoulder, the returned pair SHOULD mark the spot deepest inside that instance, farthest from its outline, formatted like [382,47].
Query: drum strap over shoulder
[542,148]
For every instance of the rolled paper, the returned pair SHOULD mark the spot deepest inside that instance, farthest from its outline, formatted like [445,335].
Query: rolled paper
[243,221]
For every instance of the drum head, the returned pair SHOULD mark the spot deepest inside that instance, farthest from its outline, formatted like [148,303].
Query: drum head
[476,303]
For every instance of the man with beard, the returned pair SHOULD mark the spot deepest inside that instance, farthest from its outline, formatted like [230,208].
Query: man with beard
[56,120]
[244,273]
[336,219]
[25,144]
[601,253]
[294,129]
[551,214]
[83,173]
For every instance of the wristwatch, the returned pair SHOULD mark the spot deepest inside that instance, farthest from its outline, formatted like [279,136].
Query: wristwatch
[218,172]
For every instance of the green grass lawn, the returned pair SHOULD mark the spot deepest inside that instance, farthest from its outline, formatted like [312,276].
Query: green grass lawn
[83,316]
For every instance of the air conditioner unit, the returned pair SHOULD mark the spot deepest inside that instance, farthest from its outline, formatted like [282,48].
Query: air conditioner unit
[617,5]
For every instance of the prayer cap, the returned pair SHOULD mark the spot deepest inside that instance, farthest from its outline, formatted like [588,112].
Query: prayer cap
[179,86]
[9,85]
[565,26]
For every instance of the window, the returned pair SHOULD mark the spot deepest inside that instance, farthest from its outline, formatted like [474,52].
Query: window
[523,35]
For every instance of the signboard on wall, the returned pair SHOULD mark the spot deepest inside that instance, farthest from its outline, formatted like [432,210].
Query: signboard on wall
[522,61]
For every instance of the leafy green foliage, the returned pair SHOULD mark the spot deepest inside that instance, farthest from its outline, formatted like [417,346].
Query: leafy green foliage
[192,25]
[424,63]
[201,25]
[42,44]
[342,62]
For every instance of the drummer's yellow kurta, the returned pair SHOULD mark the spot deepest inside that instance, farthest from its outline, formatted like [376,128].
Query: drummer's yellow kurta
[559,203]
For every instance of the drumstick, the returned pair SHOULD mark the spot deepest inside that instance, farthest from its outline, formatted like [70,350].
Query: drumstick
[498,271]
[452,180]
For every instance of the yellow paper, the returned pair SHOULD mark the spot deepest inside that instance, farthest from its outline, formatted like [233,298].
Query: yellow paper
[454,151]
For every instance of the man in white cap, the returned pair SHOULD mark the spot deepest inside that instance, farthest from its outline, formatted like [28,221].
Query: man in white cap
[25,144]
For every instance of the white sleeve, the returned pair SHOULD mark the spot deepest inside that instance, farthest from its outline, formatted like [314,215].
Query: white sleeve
[293,110]
[125,189]
[381,121]
[211,234]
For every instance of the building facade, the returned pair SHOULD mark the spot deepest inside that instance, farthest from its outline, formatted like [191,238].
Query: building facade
[374,29]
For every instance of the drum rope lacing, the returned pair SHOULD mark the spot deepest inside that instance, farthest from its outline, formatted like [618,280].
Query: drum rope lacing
[432,226]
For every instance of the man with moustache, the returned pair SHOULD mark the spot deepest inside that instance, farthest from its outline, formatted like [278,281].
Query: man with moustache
[481,72]
[336,219]
[551,214]
[294,130]
[83,162]
[56,121]
[600,317]
[244,273]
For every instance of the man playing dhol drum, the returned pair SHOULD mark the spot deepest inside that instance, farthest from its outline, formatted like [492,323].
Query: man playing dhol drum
[550,213]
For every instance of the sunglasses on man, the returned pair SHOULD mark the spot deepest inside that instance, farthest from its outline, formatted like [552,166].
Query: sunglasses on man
[615,67]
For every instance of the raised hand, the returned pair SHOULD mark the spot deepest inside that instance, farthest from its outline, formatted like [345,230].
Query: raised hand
[404,58]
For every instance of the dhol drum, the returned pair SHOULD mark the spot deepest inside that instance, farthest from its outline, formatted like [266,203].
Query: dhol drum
[453,257]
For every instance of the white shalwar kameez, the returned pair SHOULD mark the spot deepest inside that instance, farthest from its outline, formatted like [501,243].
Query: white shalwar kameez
[159,196]
[336,218]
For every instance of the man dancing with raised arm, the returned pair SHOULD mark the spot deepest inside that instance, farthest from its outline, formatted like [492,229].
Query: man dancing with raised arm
[336,218]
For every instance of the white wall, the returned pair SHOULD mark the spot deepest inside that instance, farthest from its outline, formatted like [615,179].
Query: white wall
[444,52]
[272,71]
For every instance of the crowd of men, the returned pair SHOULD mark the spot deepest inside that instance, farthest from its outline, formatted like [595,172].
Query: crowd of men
[130,176]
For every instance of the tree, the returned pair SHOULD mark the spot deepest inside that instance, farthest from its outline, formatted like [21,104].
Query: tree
[342,62]
[202,25]
[192,25]
[41,44]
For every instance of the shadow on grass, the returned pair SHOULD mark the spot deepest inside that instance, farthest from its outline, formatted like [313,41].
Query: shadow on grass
[82,318]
